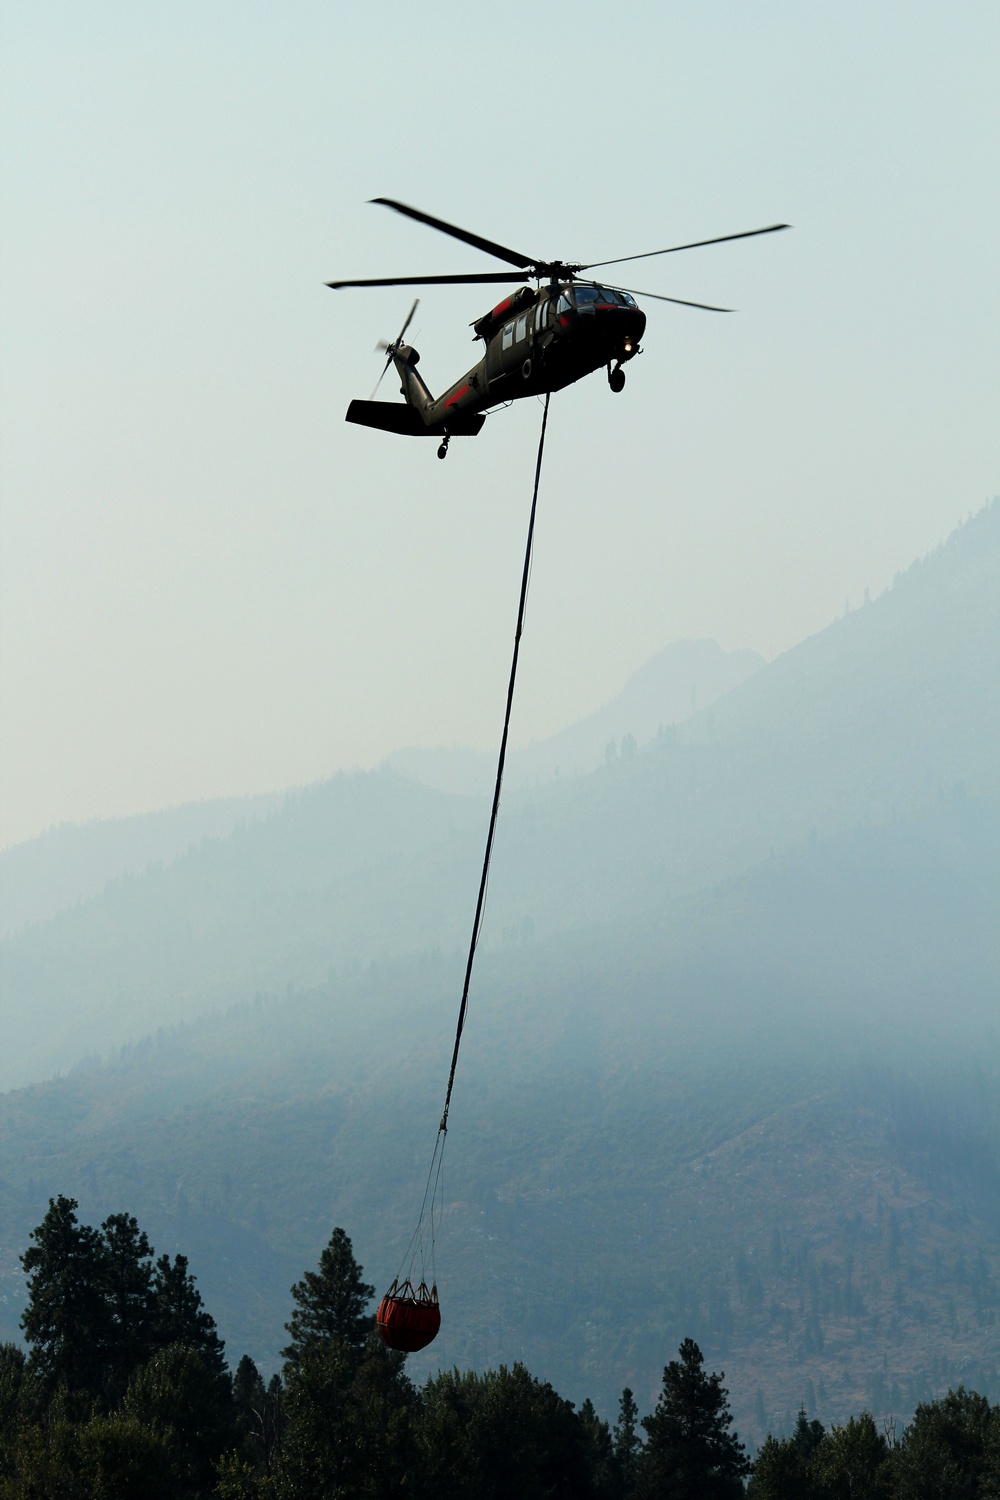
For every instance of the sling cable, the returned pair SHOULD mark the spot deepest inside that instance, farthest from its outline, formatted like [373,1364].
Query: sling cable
[409,1316]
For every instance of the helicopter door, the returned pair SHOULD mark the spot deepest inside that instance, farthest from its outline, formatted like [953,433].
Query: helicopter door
[516,342]
[543,324]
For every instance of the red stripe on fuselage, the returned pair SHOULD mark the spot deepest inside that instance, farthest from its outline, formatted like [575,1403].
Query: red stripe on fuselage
[456,396]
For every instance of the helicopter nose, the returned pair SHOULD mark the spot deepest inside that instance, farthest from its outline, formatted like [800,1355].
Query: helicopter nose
[633,326]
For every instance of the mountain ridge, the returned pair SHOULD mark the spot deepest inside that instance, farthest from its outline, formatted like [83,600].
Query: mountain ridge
[44,875]
[670,687]
[818,742]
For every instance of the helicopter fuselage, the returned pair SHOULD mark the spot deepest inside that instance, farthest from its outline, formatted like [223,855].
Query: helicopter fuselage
[537,340]
[545,340]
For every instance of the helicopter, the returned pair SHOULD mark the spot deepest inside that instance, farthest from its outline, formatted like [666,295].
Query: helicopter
[537,340]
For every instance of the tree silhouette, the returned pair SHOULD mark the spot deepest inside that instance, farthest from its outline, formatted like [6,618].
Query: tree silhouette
[952,1447]
[347,1400]
[627,1442]
[124,1255]
[259,1414]
[98,1309]
[330,1303]
[848,1461]
[691,1453]
[178,1313]
[67,1320]
[508,1436]
[178,1396]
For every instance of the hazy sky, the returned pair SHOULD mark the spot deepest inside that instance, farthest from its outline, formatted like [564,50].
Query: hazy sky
[210,584]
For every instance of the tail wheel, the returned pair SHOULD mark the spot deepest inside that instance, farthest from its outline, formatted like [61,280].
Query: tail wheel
[616,379]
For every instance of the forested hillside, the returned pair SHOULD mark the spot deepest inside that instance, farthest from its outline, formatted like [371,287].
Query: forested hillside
[125,1393]
[74,862]
[789,1153]
[731,1071]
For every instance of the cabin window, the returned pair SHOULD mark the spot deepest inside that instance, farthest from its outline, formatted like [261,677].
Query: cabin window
[508,335]
[541,315]
[522,328]
[563,305]
[628,301]
[585,294]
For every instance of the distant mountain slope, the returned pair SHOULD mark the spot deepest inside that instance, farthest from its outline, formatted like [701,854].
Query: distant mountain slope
[71,863]
[772,1122]
[670,688]
[75,861]
[279,903]
[879,718]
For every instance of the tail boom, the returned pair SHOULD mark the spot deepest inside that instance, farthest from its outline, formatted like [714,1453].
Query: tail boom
[451,415]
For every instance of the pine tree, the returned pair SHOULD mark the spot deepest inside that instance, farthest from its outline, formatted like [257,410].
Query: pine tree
[627,1442]
[98,1309]
[598,1448]
[258,1414]
[691,1454]
[67,1320]
[784,1468]
[330,1304]
[178,1316]
[125,1255]
[807,1435]
[347,1400]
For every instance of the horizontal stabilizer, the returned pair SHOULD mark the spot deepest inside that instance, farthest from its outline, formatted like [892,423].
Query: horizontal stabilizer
[391,416]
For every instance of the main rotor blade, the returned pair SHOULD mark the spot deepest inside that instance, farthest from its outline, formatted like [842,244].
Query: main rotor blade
[473,277]
[490,246]
[680,302]
[746,234]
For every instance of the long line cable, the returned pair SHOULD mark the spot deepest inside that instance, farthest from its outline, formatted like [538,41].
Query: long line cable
[432,1188]
[484,881]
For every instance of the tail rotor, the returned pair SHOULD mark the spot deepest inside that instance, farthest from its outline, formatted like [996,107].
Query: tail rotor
[390,350]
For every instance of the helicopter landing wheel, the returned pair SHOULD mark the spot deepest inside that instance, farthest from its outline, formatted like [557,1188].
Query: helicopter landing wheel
[443,450]
[616,379]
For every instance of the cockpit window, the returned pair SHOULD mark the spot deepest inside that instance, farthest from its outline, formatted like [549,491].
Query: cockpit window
[588,296]
[601,294]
